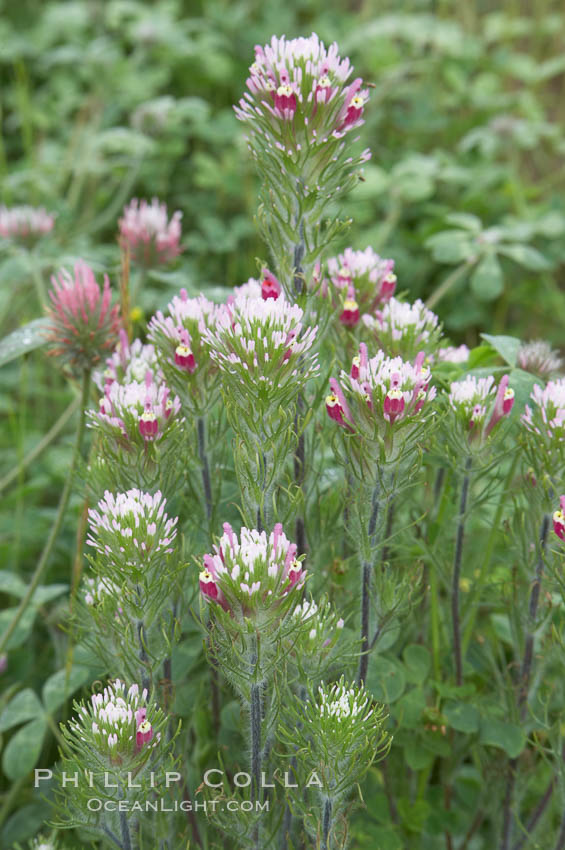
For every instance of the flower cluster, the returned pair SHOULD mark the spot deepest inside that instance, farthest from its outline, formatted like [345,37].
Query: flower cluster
[119,723]
[539,358]
[380,395]
[298,108]
[83,323]
[179,341]
[472,399]
[546,417]
[262,350]
[450,354]
[341,730]
[404,329]
[362,280]
[136,412]
[149,234]
[129,362]
[97,589]
[342,703]
[317,618]
[298,93]
[252,575]
[559,519]
[25,223]
[131,530]
[267,287]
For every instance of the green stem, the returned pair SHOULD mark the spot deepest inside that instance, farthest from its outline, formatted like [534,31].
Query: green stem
[54,533]
[37,450]
[457,574]
[326,823]
[484,572]
[446,285]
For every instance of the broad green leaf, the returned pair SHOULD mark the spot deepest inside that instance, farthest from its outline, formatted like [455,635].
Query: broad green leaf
[417,756]
[417,662]
[409,709]
[48,592]
[462,716]
[24,339]
[522,383]
[507,347]
[487,281]
[385,679]
[414,813]
[526,256]
[25,822]
[450,246]
[505,736]
[23,750]
[56,689]
[466,221]
[23,628]
[24,706]
[11,584]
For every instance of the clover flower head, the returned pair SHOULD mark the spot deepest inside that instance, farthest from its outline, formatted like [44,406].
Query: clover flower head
[131,527]
[539,358]
[25,223]
[136,410]
[546,416]
[473,398]
[118,723]
[83,323]
[403,328]
[267,287]
[251,574]
[152,238]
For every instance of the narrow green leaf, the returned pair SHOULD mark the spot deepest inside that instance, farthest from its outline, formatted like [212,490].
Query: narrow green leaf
[57,689]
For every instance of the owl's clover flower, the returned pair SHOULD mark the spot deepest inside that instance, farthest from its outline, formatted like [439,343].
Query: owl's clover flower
[539,358]
[341,703]
[404,329]
[119,724]
[321,620]
[559,519]
[95,589]
[25,223]
[251,575]
[267,287]
[472,399]
[129,362]
[149,234]
[83,323]
[362,280]
[379,393]
[301,84]
[131,528]
[546,417]
[128,412]
[262,349]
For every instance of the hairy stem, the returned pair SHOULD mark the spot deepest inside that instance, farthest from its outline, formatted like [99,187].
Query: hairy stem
[536,814]
[124,828]
[326,823]
[255,713]
[457,575]
[202,454]
[366,569]
[143,657]
[524,684]
[54,533]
